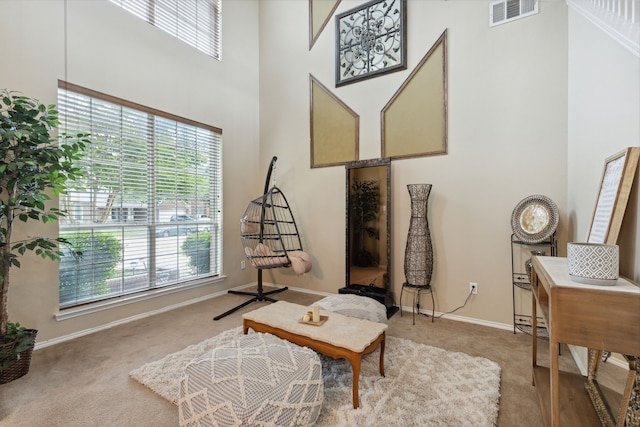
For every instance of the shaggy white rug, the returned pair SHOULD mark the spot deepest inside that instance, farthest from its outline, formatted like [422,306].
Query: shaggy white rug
[424,385]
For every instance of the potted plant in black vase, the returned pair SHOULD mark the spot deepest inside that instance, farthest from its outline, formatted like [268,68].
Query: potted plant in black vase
[365,204]
[33,164]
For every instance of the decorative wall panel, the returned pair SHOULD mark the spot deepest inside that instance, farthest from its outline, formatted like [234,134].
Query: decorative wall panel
[414,121]
[320,12]
[334,128]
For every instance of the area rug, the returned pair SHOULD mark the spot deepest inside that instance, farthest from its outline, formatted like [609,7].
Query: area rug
[423,385]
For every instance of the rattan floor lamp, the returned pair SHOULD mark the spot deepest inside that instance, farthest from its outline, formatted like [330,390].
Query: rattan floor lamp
[418,255]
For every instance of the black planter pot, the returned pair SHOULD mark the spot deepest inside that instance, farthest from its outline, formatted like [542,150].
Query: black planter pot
[18,362]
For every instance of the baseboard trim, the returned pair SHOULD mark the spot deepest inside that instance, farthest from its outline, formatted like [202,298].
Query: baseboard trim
[458,318]
[89,331]
[144,315]
[306,291]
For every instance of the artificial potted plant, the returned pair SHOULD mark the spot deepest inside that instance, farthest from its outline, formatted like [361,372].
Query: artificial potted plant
[365,204]
[33,164]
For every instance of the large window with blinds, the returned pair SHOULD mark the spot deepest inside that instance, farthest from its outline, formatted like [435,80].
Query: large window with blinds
[195,22]
[147,213]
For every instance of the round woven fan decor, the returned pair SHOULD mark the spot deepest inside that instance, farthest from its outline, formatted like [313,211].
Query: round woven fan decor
[534,219]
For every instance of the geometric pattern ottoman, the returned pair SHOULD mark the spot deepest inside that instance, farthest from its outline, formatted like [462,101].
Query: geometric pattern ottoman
[256,380]
[354,306]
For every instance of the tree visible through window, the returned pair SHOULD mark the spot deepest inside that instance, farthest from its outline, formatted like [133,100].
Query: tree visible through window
[147,214]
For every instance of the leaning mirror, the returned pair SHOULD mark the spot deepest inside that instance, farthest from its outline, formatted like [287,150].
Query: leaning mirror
[368,230]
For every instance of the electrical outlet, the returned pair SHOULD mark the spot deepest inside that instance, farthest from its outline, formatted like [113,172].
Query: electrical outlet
[473,288]
[243,264]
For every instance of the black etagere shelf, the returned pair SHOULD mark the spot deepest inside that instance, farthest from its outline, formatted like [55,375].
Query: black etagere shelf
[520,280]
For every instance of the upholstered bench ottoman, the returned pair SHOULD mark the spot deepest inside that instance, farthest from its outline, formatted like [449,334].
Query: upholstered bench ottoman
[354,306]
[258,379]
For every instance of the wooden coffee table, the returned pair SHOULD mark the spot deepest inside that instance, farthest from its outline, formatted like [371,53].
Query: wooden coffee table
[340,337]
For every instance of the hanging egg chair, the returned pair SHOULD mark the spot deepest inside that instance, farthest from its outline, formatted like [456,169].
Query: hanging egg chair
[269,233]
[270,239]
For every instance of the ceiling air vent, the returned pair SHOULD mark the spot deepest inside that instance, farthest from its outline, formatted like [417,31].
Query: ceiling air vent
[501,12]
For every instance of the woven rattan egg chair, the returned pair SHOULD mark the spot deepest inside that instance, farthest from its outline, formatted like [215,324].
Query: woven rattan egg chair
[270,239]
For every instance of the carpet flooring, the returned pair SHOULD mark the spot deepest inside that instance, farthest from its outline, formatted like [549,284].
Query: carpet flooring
[85,381]
[461,390]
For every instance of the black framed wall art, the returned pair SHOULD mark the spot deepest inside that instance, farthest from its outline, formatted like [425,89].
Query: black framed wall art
[371,40]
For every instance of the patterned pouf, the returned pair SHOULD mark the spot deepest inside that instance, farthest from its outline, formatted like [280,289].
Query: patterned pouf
[257,380]
[354,306]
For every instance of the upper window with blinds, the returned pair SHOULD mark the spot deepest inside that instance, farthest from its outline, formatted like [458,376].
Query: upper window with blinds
[195,22]
[147,213]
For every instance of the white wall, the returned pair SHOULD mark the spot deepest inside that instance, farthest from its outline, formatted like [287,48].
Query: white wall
[100,46]
[507,140]
[510,88]
[603,119]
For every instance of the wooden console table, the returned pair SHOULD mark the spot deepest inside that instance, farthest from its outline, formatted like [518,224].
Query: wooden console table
[605,318]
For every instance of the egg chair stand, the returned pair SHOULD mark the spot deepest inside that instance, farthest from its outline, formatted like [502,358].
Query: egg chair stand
[269,237]
[259,295]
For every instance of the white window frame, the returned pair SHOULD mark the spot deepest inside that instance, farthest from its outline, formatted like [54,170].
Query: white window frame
[139,216]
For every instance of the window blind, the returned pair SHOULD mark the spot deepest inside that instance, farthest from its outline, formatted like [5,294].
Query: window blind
[195,22]
[147,214]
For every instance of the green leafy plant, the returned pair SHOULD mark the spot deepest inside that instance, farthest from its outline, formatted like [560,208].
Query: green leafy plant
[33,164]
[102,251]
[22,337]
[365,205]
[197,248]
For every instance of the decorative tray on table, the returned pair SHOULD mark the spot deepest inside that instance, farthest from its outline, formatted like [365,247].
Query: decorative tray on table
[310,322]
